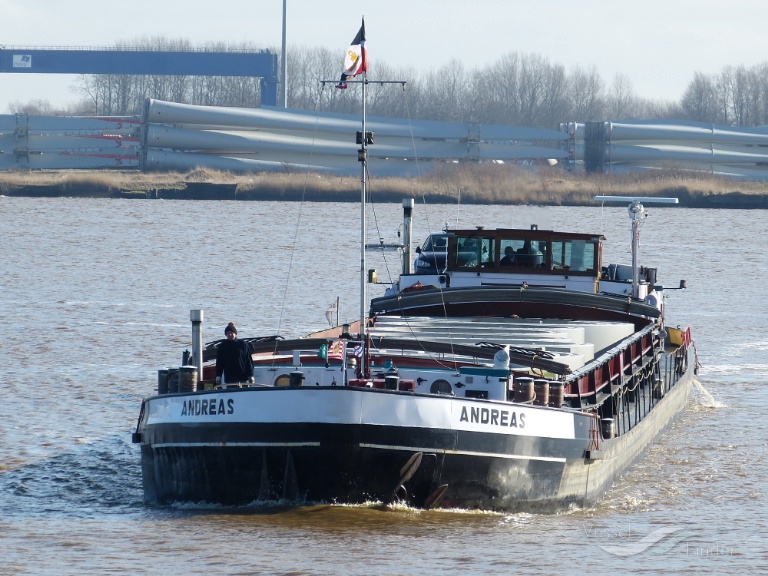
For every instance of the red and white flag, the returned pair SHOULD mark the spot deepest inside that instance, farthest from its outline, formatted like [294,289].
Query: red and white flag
[337,349]
[356,59]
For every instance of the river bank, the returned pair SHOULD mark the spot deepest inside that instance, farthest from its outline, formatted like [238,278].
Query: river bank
[476,184]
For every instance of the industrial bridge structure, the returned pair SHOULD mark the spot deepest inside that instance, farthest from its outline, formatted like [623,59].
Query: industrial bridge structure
[141,61]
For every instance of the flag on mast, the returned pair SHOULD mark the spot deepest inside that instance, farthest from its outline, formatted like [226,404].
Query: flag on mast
[356,59]
[337,349]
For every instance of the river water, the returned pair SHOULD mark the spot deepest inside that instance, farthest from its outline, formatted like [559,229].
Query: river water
[95,297]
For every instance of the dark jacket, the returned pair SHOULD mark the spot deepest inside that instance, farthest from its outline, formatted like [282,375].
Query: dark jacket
[233,359]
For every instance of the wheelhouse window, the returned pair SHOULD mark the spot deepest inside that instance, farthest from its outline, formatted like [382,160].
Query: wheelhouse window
[574,256]
[525,251]
[473,251]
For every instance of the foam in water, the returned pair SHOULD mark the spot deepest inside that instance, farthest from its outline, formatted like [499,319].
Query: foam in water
[710,401]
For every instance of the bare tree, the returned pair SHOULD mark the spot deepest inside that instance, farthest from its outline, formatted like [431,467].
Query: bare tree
[585,90]
[446,91]
[753,96]
[699,100]
[555,99]
[621,101]
[745,97]
[392,100]
[761,96]
[307,69]
[725,87]
[646,108]
[496,91]
[515,89]
[38,107]
[736,96]
[533,71]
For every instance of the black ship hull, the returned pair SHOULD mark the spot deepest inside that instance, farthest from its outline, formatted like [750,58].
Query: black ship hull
[482,466]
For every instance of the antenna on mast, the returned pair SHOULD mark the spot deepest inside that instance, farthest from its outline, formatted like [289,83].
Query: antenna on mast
[636,214]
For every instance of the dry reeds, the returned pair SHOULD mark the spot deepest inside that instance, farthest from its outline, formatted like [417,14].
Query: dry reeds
[468,183]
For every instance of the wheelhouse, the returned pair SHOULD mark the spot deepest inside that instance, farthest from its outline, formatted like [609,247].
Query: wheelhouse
[525,251]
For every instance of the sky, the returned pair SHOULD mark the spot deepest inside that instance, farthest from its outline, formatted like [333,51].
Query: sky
[657,44]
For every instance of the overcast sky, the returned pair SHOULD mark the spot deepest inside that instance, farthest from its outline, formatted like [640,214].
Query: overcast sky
[656,44]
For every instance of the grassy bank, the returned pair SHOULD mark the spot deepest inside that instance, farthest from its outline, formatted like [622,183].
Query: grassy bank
[472,184]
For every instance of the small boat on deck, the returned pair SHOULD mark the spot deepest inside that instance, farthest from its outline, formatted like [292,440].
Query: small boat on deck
[514,372]
[530,383]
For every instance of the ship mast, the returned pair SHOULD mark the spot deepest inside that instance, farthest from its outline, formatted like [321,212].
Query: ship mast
[636,214]
[362,156]
[355,64]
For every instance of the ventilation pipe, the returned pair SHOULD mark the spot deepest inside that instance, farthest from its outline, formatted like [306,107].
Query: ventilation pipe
[407,220]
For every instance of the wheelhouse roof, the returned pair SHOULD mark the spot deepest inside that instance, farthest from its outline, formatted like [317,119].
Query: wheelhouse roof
[534,233]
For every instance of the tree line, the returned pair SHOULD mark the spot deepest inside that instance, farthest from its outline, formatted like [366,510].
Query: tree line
[517,89]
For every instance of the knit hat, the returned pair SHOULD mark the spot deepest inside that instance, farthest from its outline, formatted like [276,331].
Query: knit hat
[230,328]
